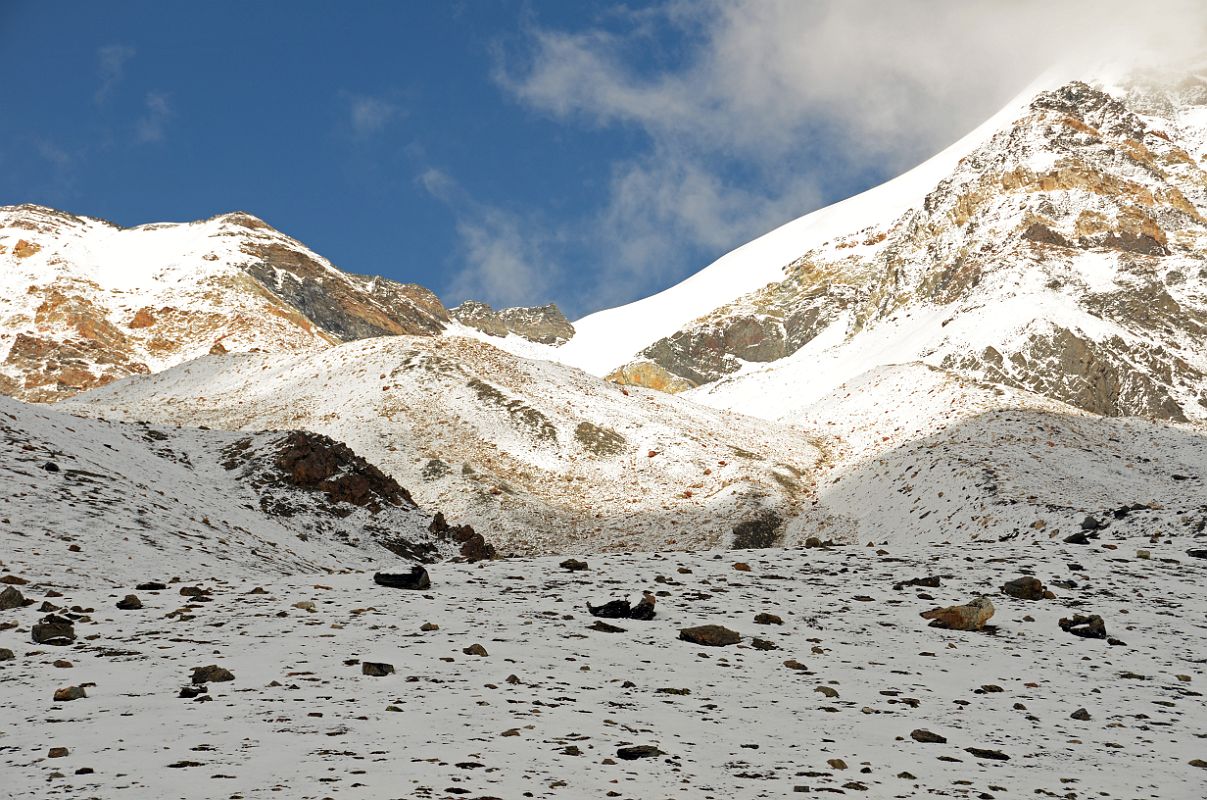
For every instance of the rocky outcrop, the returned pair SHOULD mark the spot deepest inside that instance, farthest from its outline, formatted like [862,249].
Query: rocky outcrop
[541,324]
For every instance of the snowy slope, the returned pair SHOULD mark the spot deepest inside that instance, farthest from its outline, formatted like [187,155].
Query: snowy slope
[546,710]
[537,456]
[99,503]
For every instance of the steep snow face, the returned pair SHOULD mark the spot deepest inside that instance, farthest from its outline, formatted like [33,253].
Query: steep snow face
[608,339]
[98,503]
[83,302]
[1062,253]
[537,456]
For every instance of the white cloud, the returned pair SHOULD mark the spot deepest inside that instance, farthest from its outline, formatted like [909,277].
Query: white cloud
[369,115]
[150,127]
[112,66]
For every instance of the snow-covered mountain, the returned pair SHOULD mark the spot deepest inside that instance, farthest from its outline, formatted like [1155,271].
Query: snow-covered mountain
[1061,248]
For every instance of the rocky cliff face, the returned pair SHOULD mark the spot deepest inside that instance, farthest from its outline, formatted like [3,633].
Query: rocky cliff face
[541,324]
[84,302]
[1065,255]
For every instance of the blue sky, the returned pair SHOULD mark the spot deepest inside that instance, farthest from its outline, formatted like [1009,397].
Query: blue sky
[518,152]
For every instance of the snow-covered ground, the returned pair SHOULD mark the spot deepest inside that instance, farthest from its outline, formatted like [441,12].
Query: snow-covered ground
[546,710]
[539,457]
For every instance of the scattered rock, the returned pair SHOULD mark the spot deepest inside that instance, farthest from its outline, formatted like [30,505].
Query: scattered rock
[638,751]
[992,755]
[211,674]
[129,603]
[376,669]
[828,691]
[969,617]
[792,663]
[573,565]
[644,610]
[58,752]
[417,578]
[151,586]
[926,737]
[6,654]
[767,619]
[929,582]
[1086,626]
[1027,588]
[710,635]
[1197,553]
[1080,714]
[836,763]
[742,566]
[613,609]
[428,627]
[603,627]
[68,693]
[54,630]
[11,598]
[475,650]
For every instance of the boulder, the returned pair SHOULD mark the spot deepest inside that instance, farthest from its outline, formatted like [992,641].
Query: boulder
[417,578]
[1089,626]
[1027,588]
[376,669]
[969,617]
[573,565]
[211,674]
[68,693]
[11,598]
[54,630]
[710,635]
[638,751]
[926,737]
[129,603]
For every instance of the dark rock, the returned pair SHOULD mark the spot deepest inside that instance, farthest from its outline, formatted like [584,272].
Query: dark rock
[54,630]
[50,466]
[613,609]
[638,751]
[6,654]
[417,578]
[1077,538]
[929,582]
[1091,523]
[58,752]
[1197,553]
[710,635]
[475,650]
[190,692]
[926,737]
[760,532]
[1086,626]
[211,674]
[11,598]
[151,586]
[644,610]
[1027,588]
[376,669]
[129,603]
[1080,714]
[767,619]
[992,755]
[573,564]
[762,644]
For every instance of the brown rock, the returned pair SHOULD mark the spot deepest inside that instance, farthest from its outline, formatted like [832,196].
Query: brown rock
[211,674]
[376,669]
[68,693]
[970,617]
[11,598]
[129,603]
[57,752]
[710,635]
[1027,588]
[767,619]
[475,650]
[54,630]
[926,737]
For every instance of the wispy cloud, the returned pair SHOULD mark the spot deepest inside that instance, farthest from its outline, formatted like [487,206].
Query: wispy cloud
[150,127]
[368,116]
[111,60]
[503,259]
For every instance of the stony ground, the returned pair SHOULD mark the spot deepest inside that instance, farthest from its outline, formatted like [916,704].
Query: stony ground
[839,698]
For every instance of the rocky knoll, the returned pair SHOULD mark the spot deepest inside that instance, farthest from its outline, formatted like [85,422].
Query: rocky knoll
[543,324]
